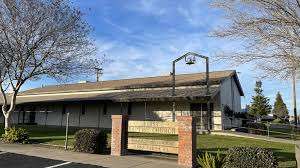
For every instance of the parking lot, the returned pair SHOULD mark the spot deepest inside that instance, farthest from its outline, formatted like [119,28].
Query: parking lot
[12,160]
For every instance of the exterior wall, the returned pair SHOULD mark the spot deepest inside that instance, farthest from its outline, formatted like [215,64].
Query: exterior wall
[163,110]
[96,117]
[230,96]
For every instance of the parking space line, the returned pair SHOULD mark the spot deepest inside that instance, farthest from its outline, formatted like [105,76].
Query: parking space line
[2,153]
[65,163]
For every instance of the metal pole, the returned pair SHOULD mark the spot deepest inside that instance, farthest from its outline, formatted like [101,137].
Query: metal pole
[67,129]
[97,73]
[207,76]
[173,92]
[208,94]
[145,110]
[294,98]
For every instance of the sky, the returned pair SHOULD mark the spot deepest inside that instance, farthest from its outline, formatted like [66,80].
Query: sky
[141,38]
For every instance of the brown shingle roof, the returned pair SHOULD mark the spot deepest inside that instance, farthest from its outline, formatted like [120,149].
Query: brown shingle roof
[137,89]
[124,96]
[136,83]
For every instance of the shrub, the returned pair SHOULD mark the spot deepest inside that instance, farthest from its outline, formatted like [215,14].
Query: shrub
[210,161]
[257,128]
[240,115]
[244,130]
[15,135]
[90,141]
[250,157]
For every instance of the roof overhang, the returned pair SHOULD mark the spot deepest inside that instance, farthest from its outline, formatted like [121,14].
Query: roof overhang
[131,95]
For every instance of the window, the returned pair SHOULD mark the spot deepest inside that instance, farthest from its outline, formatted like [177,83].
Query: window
[63,109]
[83,109]
[104,109]
[195,107]
[129,108]
[201,107]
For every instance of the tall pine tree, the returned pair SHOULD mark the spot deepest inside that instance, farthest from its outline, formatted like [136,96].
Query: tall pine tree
[260,104]
[280,109]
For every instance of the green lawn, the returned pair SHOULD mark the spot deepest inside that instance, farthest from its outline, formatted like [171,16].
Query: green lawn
[210,143]
[286,133]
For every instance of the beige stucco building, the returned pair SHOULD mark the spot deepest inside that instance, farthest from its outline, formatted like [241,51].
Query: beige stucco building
[91,104]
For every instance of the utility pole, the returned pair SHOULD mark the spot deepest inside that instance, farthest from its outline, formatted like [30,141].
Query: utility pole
[294,97]
[98,73]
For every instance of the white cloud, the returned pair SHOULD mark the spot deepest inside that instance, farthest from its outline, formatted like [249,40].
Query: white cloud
[117,26]
[149,59]
[200,14]
[151,7]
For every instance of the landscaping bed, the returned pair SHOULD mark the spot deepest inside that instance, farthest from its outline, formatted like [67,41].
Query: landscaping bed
[209,143]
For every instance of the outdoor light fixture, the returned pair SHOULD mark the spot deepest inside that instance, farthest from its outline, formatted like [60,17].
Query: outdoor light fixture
[190,60]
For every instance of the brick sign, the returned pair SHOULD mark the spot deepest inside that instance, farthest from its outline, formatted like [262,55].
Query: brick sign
[153,145]
[158,127]
[185,147]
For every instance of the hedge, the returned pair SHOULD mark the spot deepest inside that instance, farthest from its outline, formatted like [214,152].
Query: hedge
[250,157]
[257,128]
[90,141]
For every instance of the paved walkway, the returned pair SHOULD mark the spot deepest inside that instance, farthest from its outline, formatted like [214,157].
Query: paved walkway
[92,159]
[253,136]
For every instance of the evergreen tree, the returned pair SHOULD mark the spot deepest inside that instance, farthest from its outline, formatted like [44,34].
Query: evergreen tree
[280,109]
[260,104]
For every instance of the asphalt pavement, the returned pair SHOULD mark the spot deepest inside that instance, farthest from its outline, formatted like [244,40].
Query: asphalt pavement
[37,156]
[12,160]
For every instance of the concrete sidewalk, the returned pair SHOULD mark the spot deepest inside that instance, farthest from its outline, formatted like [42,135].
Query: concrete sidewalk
[92,159]
[253,136]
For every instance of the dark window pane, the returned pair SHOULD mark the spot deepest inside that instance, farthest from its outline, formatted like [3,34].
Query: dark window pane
[129,108]
[204,106]
[201,107]
[195,107]
[83,109]
[64,109]
[104,109]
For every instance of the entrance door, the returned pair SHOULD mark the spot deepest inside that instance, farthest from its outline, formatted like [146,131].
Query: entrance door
[199,111]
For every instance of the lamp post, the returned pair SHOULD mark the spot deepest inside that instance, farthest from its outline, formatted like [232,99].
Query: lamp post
[190,60]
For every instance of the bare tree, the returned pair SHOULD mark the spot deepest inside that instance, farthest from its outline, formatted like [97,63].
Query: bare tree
[268,31]
[40,39]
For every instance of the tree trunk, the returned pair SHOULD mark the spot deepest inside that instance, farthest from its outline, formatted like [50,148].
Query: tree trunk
[7,122]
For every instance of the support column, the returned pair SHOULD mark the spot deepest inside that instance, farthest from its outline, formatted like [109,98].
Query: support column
[186,141]
[119,135]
